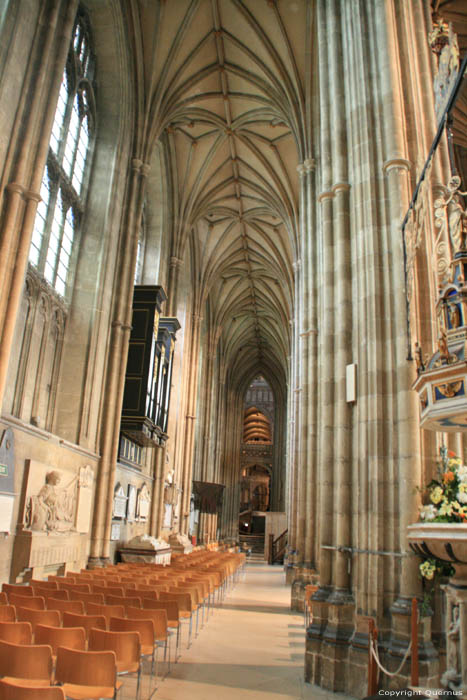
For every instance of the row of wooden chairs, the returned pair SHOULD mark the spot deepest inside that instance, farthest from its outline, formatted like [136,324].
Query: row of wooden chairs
[81,674]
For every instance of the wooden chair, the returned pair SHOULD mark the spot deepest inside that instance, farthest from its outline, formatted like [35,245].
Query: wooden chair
[173,620]
[146,632]
[87,674]
[15,691]
[63,606]
[22,601]
[70,637]
[85,621]
[107,611]
[38,617]
[122,600]
[30,662]
[7,613]
[16,632]
[17,589]
[196,592]
[127,648]
[184,609]
[3,599]
[87,597]
[159,620]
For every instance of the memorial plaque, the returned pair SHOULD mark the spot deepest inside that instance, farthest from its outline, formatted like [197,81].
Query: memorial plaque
[120,500]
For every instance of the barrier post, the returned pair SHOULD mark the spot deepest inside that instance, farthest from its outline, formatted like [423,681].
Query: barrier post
[372,669]
[414,671]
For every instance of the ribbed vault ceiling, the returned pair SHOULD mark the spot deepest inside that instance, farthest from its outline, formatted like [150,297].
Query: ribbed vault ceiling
[223,93]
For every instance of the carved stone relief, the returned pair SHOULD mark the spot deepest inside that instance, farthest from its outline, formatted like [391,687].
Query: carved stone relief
[51,499]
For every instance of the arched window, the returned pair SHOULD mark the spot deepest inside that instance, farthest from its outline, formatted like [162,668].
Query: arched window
[65,178]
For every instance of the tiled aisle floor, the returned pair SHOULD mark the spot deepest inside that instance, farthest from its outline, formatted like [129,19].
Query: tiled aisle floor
[251,648]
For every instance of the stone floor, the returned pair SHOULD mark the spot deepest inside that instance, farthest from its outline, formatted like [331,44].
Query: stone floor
[251,648]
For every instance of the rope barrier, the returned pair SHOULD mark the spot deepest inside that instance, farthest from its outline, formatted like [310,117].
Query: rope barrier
[374,652]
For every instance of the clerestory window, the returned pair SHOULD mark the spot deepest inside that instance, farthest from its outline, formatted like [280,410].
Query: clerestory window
[64,184]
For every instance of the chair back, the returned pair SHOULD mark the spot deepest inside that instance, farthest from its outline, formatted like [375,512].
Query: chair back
[108,590]
[3,599]
[129,581]
[63,606]
[107,611]
[16,632]
[70,637]
[11,690]
[170,606]
[18,589]
[56,595]
[158,617]
[7,613]
[95,668]
[81,587]
[85,621]
[144,627]
[122,600]
[32,661]
[38,617]
[183,599]
[49,585]
[24,601]
[126,645]
[193,590]
[87,597]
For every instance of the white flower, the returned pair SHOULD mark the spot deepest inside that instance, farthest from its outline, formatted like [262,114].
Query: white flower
[462,494]
[462,474]
[428,512]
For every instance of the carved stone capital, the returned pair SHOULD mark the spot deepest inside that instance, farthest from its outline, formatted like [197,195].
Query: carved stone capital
[396,164]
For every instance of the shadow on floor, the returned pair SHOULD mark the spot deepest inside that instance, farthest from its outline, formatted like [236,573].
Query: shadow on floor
[244,607]
[241,676]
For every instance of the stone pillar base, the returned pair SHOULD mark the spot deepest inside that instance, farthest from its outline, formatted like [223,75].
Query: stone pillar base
[328,639]
[393,649]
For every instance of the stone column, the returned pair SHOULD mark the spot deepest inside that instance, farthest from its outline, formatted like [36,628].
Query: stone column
[190,417]
[118,352]
[157,500]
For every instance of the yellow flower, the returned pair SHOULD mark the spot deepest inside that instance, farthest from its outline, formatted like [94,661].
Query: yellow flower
[436,494]
[427,570]
[454,462]
[445,507]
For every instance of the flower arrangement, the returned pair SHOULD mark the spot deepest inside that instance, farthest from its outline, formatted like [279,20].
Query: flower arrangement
[448,492]
[447,495]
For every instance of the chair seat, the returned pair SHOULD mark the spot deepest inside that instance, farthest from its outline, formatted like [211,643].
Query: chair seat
[125,667]
[89,692]
[146,649]
[42,682]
